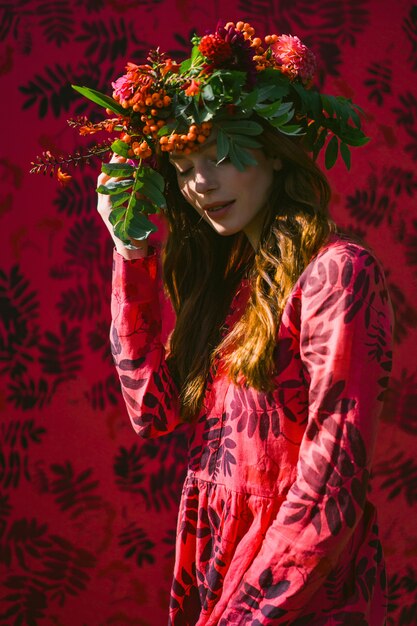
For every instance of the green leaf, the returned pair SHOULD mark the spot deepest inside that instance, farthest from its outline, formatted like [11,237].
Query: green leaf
[121,148]
[207,92]
[138,226]
[241,157]
[100,98]
[355,117]
[246,157]
[354,137]
[319,143]
[331,152]
[245,141]
[116,215]
[234,158]
[120,231]
[151,184]
[185,66]
[272,90]
[345,152]
[241,127]
[290,129]
[195,55]
[223,145]
[274,109]
[119,199]
[281,120]
[249,101]
[119,170]
[112,188]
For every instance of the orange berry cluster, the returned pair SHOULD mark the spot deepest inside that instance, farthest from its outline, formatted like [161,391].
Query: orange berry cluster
[261,56]
[186,142]
[263,59]
[150,106]
[248,33]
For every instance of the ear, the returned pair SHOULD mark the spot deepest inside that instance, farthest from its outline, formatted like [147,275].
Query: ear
[277,164]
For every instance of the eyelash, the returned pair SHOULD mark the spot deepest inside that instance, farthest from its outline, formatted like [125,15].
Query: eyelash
[185,172]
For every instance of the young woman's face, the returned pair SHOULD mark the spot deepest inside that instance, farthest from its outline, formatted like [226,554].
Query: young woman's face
[229,200]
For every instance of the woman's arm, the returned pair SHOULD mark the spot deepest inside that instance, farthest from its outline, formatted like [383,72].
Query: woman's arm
[346,353]
[151,397]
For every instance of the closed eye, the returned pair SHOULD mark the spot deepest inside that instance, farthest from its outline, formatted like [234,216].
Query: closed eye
[184,172]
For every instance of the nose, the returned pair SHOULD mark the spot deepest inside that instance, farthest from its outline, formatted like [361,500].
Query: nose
[205,179]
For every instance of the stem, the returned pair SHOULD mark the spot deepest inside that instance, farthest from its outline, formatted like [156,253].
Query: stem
[133,192]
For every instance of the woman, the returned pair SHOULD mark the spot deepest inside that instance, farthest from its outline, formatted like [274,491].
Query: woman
[278,359]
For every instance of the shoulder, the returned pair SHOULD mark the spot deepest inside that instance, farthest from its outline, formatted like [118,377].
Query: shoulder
[343,264]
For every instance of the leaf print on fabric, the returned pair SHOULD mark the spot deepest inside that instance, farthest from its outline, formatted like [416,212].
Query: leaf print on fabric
[379,81]
[16,438]
[410,29]
[400,477]
[104,393]
[217,455]
[188,514]
[23,600]
[347,456]
[74,492]
[185,600]
[401,402]
[136,544]
[109,41]
[66,569]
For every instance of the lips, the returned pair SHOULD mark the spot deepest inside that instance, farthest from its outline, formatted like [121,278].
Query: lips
[215,207]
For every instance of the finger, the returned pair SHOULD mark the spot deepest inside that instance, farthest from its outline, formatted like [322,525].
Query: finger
[105,178]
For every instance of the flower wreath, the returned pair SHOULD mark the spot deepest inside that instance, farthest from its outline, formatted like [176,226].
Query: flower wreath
[231,81]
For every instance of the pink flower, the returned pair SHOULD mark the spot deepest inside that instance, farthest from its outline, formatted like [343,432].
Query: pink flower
[294,58]
[123,88]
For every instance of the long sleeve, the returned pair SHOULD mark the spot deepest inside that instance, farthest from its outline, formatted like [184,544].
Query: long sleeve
[345,349]
[149,392]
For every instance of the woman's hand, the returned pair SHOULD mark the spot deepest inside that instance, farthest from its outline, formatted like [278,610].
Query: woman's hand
[104,208]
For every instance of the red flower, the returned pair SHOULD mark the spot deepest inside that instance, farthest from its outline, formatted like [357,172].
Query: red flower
[193,89]
[216,49]
[170,66]
[63,177]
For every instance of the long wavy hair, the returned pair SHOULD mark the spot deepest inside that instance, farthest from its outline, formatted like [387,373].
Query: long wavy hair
[202,271]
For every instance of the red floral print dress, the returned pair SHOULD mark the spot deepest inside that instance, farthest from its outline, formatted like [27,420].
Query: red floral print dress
[275,525]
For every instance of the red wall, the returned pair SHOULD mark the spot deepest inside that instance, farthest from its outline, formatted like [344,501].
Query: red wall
[87,511]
